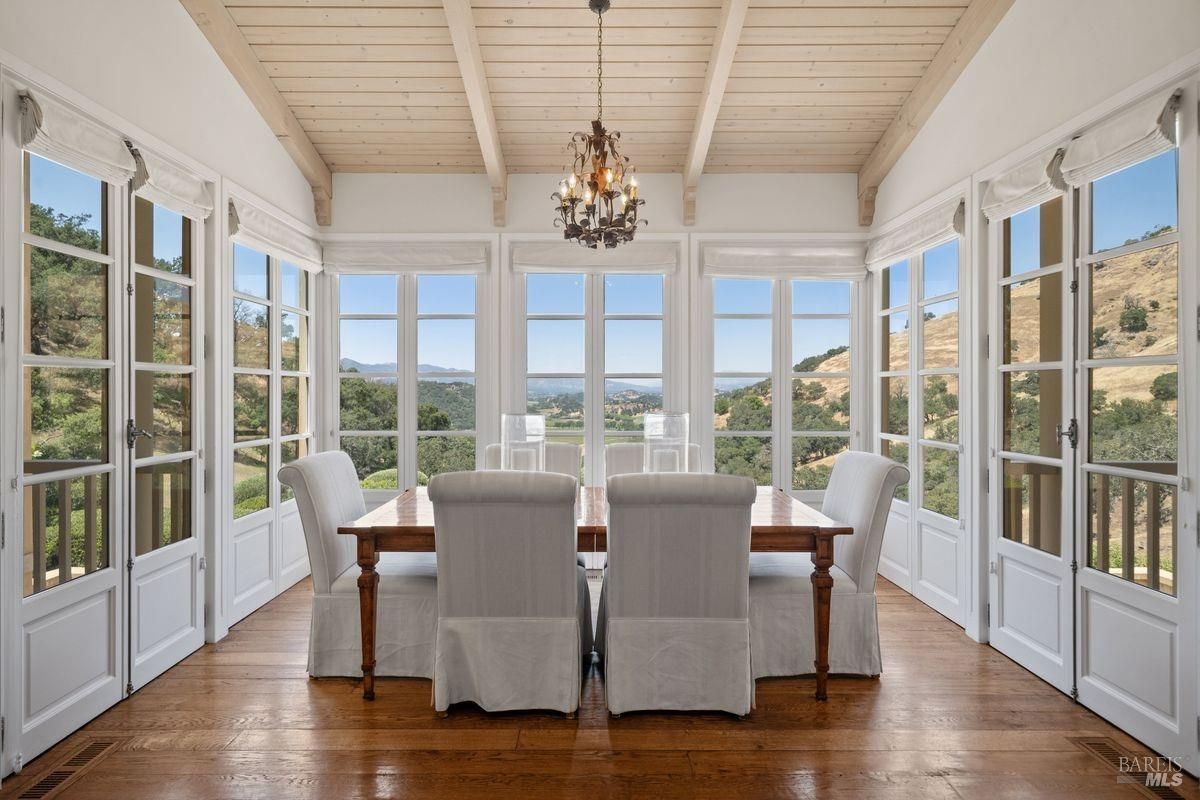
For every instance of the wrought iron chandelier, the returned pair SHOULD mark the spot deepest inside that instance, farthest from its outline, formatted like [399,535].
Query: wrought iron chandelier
[598,201]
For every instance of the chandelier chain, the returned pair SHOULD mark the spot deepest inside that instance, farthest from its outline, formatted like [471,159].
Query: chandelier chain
[600,67]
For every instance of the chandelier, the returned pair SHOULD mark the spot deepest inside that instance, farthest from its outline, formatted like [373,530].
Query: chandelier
[598,201]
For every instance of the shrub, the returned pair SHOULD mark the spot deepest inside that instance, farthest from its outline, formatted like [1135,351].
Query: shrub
[1133,319]
[1165,386]
[383,479]
[1099,337]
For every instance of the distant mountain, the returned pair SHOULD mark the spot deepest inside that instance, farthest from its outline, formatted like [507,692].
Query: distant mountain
[350,365]
[548,387]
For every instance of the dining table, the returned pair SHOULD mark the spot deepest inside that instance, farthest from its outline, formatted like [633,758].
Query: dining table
[779,523]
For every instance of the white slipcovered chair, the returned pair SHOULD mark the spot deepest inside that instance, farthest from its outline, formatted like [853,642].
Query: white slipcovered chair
[624,458]
[674,631]
[563,458]
[781,596]
[514,626]
[328,495]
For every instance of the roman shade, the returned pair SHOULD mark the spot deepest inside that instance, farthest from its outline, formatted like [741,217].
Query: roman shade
[1025,186]
[1140,132]
[828,261]
[59,133]
[169,186]
[425,257]
[651,257]
[933,227]
[254,227]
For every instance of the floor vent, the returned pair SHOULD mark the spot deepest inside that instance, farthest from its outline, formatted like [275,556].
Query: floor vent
[68,771]
[1131,769]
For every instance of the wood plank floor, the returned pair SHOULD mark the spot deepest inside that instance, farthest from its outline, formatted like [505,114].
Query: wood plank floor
[948,719]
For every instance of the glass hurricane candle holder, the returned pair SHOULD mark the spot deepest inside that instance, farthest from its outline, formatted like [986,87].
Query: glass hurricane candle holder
[666,443]
[523,442]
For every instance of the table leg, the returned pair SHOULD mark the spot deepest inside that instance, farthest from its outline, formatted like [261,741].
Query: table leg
[822,597]
[368,590]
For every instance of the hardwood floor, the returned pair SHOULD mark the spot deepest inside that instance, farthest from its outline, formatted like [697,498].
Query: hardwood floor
[948,719]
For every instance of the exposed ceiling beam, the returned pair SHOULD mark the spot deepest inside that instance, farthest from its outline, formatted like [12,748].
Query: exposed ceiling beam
[973,28]
[475,84]
[729,30]
[226,38]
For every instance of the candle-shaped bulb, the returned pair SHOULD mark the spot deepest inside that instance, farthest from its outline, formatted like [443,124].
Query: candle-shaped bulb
[587,196]
[572,179]
[633,189]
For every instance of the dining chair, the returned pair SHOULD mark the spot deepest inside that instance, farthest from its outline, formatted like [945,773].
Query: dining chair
[674,630]
[328,495]
[781,594]
[563,458]
[624,458]
[514,628]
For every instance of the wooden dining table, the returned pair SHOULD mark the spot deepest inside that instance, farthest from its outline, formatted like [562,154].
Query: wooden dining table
[779,523]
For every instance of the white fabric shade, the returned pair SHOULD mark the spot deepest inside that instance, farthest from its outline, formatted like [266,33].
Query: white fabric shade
[58,132]
[933,227]
[383,256]
[651,257]
[169,186]
[830,261]
[1145,130]
[1025,186]
[253,227]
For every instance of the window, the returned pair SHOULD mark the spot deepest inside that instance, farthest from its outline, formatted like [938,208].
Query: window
[555,354]
[433,381]
[894,366]
[295,367]
[743,377]
[820,379]
[67,374]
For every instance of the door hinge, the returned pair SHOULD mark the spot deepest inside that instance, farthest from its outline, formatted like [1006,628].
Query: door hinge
[129,289]
[987,612]
[1074,285]
[1074,566]
[203,563]
[1072,433]
[3,530]
[129,564]
[991,567]
[987,346]
[1075,693]
[2,323]
[129,688]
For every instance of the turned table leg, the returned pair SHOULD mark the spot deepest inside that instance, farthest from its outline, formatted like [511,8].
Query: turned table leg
[368,590]
[822,583]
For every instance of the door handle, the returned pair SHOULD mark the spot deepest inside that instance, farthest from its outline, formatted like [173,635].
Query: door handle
[1071,432]
[133,433]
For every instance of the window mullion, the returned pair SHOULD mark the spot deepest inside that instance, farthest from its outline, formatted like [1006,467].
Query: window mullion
[593,406]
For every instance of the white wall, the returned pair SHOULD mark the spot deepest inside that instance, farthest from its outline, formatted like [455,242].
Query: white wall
[765,203]
[1046,62]
[147,62]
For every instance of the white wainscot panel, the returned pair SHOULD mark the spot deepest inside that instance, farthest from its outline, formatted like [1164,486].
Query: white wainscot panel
[293,558]
[252,566]
[162,617]
[938,569]
[69,652]
[1031,608]
[1130,654]
[893,557]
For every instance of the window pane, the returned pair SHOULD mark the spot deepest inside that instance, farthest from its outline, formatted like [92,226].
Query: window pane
[748,456]
[367,294]
[812,459]
[446,345]
[65,205]
[741,296]
[940,409]
[939,481]
[374,460]
[940,270]
[1033,320]
[821,404]
[626,402]
[446,404]
[560,400]
[163,324]
[368,404]
[251,409]
[818,343]
[1134,304]
[162,405]
[251,470]
[1135,204]
[1033,238]
[293,283]
[66,418]
[293,414]
[820,297]
[894,288]
[894,352]
[1032,409]
[898,452]
[251,342]
[163,239]
[1032,500]
[633,294]
[368,345]
[555,345]
[633,346]
[939,335]
[554,294]
[445,294]
[438,454]
[742,404]
[67,305]
[289,452]
[66,531]
[1131,530]
[250,272]
[742,345]
[1133,413]
[293,334]
[894,401]
[163,505]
